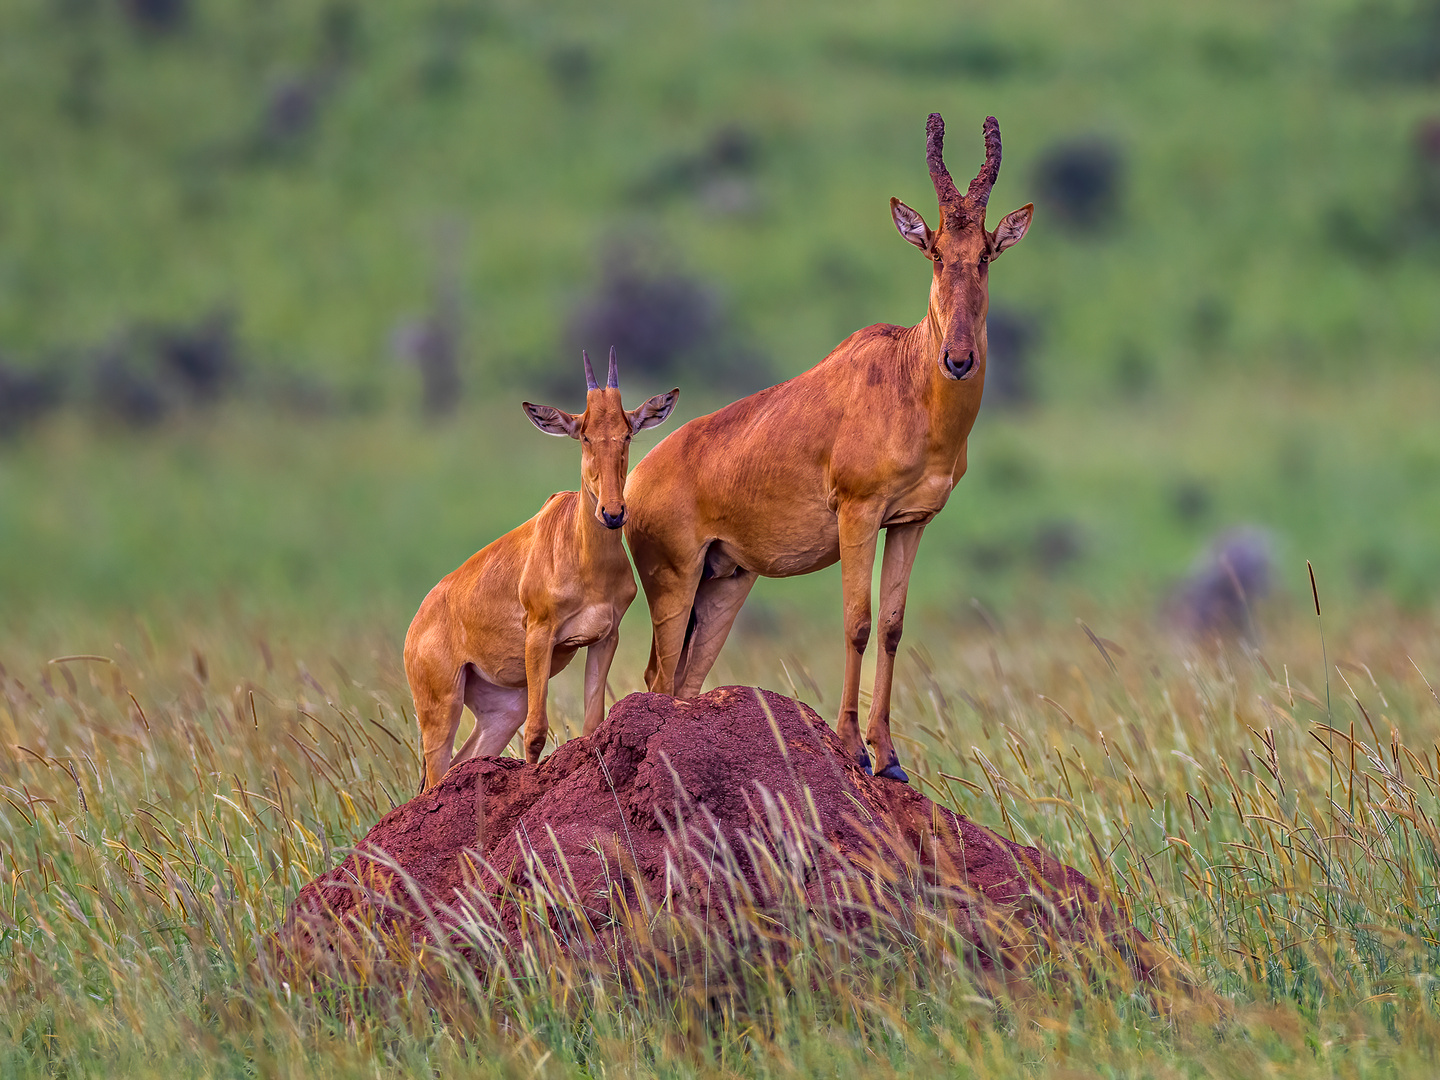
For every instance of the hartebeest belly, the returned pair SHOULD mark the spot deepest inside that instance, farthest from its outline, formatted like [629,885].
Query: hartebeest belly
[809,472]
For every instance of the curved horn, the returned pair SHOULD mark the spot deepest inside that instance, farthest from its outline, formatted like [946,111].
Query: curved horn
[950,198]
[979,193]
[589,372]
[613,379]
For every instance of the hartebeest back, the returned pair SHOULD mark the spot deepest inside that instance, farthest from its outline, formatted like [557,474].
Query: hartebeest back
[793,478]
[492,634]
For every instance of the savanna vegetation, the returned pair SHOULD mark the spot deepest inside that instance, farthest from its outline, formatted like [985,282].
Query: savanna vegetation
[274,278]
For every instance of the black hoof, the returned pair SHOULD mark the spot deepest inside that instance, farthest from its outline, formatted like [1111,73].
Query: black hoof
[863,760]
[894,772]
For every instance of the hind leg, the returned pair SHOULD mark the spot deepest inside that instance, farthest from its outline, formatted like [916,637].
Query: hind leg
[499,712]
[717,603]
[437,711]
[671,595]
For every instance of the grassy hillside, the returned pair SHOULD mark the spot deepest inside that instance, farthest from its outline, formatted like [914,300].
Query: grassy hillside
[296,160]
[1250,320]
[1241,332]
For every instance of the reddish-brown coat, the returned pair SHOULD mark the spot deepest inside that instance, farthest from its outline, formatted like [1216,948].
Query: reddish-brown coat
[491,634]
[800,475]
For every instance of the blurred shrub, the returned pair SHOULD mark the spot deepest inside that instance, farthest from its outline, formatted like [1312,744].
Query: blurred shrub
[25,396]
[1379,230]
[964,54]
[143,376]
[664,324]
[432,344]
[1134,371]
[201,359]
[1056,545]
[1191,500]
[290,113]
[157,15]
[573,67]
[80,93]
[340,33]
[1051,546]
[1424,196]
[1218,598]
[720,173]
[1079,182]
[1393,42]
[1009,376]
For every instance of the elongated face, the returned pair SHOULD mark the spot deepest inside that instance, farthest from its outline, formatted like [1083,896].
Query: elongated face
[961,250]
[604,431]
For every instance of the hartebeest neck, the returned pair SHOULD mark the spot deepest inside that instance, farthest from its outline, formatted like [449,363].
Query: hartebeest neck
[593,541]
[951,403]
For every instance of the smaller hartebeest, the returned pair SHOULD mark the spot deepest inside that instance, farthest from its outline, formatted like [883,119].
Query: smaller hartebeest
[492,633]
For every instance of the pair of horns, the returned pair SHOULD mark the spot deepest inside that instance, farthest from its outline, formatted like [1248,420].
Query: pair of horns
[969,207]
[612,381]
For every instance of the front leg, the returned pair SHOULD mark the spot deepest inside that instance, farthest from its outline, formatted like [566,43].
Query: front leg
[597,669]
[901,544]
[859,529]
[539,654]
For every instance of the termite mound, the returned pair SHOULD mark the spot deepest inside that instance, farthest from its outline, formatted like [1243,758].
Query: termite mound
[716,814]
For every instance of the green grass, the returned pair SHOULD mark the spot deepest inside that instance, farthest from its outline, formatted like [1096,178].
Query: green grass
[360,516]
[162,806]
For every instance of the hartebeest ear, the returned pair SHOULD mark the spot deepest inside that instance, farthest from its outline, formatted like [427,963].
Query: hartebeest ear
[912,226]
[552,421]
[654,411]
[1011,228]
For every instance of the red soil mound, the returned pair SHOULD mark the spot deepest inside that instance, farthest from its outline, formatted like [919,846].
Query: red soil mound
[740,799]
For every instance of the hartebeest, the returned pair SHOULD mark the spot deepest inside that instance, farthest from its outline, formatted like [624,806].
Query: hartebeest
[792,478]
[492,634]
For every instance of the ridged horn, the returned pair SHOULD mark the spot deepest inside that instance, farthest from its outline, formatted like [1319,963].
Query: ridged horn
[613,379]
[979,193]
[950,199]
[590,383]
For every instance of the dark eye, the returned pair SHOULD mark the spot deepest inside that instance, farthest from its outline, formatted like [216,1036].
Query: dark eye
[984,257]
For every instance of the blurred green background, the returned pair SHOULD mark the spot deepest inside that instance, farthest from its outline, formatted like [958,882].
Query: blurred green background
[274,277]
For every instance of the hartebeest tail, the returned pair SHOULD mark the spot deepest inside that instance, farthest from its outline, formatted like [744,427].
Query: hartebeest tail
[492,634]
[795,477]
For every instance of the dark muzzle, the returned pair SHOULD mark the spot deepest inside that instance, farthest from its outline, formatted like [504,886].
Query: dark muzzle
[957,366]
[612,521]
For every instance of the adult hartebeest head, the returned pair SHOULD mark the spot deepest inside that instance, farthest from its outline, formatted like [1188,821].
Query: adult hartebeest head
[604,430]
[961,249]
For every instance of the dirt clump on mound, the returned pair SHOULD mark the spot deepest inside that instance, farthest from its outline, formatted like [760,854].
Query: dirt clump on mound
[711,810]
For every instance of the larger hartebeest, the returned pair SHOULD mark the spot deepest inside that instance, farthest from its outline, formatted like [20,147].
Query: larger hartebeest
[793,478]
[492,633]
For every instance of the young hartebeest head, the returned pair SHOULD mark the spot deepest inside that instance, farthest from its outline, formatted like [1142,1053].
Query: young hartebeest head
[961,249]
[604,430]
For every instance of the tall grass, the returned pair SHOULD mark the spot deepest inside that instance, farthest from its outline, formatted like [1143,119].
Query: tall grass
[163,805]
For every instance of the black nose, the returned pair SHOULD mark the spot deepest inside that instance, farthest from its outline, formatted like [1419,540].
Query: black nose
[961,370]
[612,521]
